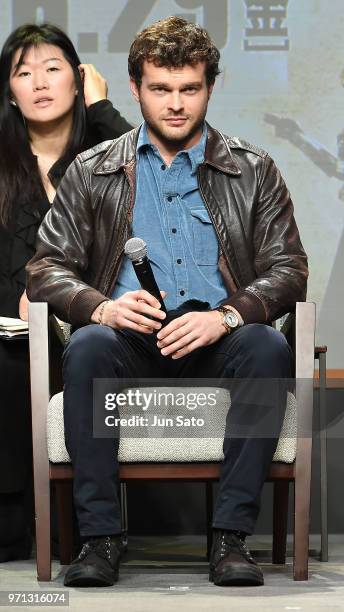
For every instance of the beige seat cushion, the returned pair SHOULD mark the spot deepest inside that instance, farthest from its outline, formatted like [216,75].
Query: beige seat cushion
[155,446]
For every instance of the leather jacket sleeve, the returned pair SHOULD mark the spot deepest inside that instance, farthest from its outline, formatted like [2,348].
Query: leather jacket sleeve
[278,258]
[64,239]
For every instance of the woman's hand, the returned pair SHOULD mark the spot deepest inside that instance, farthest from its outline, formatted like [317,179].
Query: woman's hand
[95,86]
[24,307]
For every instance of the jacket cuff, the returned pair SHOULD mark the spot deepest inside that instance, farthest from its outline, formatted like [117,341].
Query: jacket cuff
[83,305]
[248,305]
[99,106]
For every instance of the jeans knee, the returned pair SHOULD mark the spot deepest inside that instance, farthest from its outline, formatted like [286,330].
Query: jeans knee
[87,346]
[267,348]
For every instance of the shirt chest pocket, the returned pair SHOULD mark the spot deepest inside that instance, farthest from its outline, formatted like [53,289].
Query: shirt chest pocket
[206,248]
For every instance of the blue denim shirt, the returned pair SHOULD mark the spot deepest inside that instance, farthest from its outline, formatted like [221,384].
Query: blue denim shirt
[170,216]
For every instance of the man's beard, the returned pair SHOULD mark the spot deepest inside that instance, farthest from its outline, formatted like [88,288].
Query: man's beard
[171,138]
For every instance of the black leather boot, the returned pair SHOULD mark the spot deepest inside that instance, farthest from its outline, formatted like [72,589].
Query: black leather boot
[231,563]
[97,563]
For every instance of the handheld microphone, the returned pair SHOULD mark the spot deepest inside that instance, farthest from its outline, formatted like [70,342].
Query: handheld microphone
[136,250]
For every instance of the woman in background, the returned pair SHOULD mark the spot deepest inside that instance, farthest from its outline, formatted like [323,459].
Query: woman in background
[52,107]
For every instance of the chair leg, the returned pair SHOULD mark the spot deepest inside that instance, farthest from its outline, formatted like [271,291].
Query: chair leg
[43,542]
[323,457]
[209,515]
[64,502]
[301,521]
[124,516]
[280,521]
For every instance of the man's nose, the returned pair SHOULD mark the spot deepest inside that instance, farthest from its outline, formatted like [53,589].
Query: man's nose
[175,102]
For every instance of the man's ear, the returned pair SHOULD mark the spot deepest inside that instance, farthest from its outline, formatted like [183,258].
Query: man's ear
[134,89]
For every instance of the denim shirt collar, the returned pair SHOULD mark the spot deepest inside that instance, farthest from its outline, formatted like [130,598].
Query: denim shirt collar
[195,153]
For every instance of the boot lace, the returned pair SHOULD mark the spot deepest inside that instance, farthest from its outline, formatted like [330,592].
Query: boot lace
[228,543]
[101,546]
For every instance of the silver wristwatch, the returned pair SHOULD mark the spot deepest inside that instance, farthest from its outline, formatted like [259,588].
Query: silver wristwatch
[229,319]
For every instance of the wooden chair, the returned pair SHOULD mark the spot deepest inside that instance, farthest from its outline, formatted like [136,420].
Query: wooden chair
[45,355]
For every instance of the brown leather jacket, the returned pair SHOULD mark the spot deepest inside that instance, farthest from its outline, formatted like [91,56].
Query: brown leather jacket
[81,240]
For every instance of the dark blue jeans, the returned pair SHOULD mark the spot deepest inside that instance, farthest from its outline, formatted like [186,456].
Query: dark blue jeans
[252,352]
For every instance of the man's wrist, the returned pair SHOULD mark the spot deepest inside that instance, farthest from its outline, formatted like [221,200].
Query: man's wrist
[240,319]
[98,313]
[230,318]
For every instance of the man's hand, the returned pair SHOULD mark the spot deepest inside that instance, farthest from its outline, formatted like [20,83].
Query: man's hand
[189,332]
[24,307]
[95,86]
[128,312]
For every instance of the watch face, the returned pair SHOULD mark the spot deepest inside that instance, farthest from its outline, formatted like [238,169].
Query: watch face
[231,319]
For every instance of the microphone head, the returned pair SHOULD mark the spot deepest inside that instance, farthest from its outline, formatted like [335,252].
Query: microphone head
[135,249]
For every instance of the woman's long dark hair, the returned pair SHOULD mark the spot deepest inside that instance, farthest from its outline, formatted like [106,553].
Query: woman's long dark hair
[19,173]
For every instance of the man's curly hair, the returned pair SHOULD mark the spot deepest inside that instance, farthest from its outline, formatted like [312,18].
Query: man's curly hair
[173,42]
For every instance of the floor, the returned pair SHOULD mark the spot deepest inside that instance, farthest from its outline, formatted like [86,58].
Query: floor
[161,575]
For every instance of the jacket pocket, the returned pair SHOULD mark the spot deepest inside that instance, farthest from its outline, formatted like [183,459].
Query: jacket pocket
[206,249]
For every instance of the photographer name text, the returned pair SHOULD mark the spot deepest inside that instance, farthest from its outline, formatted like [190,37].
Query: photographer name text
[155,421]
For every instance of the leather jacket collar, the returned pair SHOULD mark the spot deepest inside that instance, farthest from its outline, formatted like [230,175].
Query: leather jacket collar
[122,153]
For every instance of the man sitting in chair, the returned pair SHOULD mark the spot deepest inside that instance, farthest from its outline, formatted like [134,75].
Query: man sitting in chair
[218,221]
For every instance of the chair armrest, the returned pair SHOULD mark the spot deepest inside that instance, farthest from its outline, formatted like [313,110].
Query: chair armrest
[304,372]
[47,341]
[299,329]
[304,340]
[39,351]
[40,394]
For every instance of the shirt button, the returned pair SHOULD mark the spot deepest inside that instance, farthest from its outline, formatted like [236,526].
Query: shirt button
[182,292]
[174,231]
[179,261]
[169,199]
[163,167]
